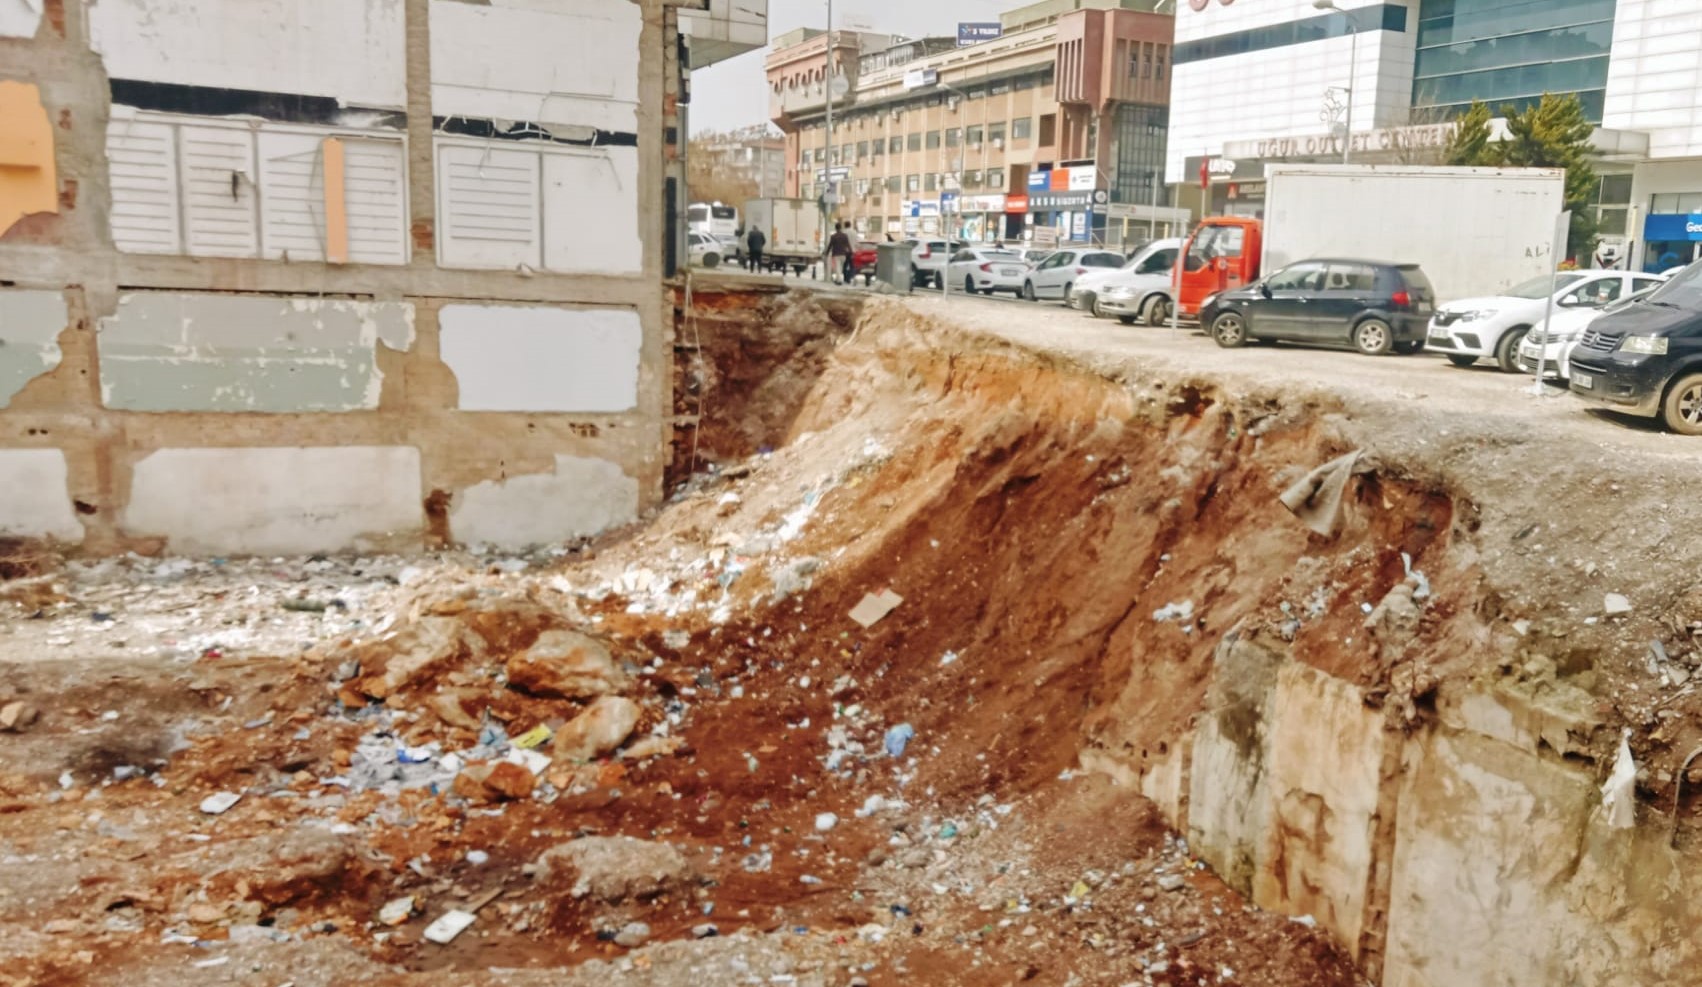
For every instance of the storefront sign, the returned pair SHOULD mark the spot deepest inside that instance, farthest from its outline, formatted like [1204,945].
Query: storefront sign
[969,34]
[1673,226]
[1039,201]
[918,78]
[1083,178]
[983,203]
[1325,145]
[1016,205]
[1039,181]
[918,207]
[1219,170]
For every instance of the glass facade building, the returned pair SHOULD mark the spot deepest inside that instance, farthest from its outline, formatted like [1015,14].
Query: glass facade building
[1510,52]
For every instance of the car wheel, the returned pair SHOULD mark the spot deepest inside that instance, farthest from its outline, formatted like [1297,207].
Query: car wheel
[712,260]
[939,281]
[1409,347]
[1507,353]
[1682,408]
[1373,337]
[968,284]
[1230,330]
[1098,308]
[1028,291]
[1067,289]
[1127,320]
[1158,311]
[1461,359]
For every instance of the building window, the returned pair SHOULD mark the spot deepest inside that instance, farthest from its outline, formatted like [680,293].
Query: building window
[972,179]
[913,183]
[933,139]
[996,132]
[877,148]
[913,141]
[894,184]
[1022,129]
[994,178]
[975,136]
[928,182]
[1140,135]
[862,149]
[1048,129]
[954,137]
[1511,54]
[896,145]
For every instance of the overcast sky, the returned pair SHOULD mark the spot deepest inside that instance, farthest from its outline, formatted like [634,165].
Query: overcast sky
[734,93]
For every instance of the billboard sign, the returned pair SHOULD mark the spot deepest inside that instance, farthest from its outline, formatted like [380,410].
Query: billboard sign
[970,34]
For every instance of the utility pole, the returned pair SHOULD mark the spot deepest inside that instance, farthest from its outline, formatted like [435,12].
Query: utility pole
[827,159]
[1352,70]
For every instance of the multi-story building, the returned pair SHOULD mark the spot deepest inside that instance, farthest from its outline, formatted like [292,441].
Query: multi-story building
[1261,81]
[753,157]
[1056,128]
[315,275]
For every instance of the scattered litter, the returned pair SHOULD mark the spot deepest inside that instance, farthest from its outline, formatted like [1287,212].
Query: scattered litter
[704,931]
[632,935]
[1171,882]
[397,910]
[478,858]
[218,803]
[535,737]
[1420,583]
[1619,793]
[1614,603]
[948,658]
[1316,499]
[449,925]
[874,606]
[1174,611]
[898,738]
[826,821]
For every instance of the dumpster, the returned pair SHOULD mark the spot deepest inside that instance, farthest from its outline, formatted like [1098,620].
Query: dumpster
[892,266]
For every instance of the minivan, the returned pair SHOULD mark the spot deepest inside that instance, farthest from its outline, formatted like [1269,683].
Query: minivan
[1646,358]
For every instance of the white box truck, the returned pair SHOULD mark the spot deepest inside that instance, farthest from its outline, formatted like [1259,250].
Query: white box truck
[1474,231]
[793,228]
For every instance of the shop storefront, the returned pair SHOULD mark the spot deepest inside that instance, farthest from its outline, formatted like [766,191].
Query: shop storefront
[1671,239]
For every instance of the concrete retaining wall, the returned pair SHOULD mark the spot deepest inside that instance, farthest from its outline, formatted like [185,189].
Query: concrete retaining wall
[268,290]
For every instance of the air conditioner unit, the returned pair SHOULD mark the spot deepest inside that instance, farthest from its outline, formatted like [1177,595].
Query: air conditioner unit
[953,103]
[998,142]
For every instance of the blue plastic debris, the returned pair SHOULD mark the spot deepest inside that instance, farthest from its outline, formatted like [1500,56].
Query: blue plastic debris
[898,738]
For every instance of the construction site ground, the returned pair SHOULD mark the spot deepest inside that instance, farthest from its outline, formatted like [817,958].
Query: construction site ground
[836,713]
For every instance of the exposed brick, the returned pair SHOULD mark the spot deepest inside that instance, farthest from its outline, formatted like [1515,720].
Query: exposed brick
[424,235]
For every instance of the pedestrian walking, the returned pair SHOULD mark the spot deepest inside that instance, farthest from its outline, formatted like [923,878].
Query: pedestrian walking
[754,242]
[839,252]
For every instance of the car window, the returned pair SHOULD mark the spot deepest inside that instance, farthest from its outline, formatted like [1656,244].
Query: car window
[1541,285]
[1159,262]
[962,255]
[1300,277]
[1214,242]
[1595,294]
[1349,277]
[1102,260]
[1640,283]
[1417,283]
[1682,290]
[1058,259]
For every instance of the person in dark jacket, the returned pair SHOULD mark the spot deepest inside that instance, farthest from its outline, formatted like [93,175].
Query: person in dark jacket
[839,251]
[754,242]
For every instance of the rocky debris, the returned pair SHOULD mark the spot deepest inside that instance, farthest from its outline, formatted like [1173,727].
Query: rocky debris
[632,935]
[568,665]
[497,781]
[17,716]
[1394,621]
[600,728]
[423,646]
[614,869]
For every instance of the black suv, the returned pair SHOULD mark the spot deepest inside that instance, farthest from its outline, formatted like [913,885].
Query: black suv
[1375,306]
[1646,358]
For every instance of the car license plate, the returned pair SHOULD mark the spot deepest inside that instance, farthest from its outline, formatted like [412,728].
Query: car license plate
[1010,272]
[1584,381]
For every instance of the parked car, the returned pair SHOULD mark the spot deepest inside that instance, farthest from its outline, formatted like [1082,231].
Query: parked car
[1646,359]
[1131,298]
[703,250]
[987,270]
[1474,328]
[1157,257]
[928,260]
[1034,255]
[1549,344]
[865,256]
[1054,276]
[1378,307]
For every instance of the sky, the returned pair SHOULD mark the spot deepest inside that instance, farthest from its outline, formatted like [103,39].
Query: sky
[734,93]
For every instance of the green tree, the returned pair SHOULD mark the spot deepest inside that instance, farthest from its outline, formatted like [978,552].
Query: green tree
[1552,133]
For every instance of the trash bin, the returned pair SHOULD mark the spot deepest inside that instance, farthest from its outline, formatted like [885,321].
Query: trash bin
[892,265]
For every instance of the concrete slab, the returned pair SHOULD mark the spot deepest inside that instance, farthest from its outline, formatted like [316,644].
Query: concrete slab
[30,324]
[535,358]
[35,500]
[583,497]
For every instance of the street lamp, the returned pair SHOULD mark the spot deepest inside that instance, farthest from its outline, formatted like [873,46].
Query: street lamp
[1164,156]
[1352,69]
[945,274]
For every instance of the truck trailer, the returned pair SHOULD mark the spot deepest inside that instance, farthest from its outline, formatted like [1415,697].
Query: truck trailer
[793,228]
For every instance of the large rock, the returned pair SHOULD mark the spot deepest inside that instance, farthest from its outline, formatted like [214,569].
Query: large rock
[569,665]
[614,869]
[602,727]
[423,649]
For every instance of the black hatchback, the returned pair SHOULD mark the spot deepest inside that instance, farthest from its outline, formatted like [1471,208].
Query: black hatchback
[1646,358]
[1376,307]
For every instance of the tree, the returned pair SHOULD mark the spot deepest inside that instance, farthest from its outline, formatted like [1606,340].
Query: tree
[1552,133]
[711,172]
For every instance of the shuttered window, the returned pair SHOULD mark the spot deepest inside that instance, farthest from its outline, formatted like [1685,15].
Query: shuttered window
[189,185]
[490,206]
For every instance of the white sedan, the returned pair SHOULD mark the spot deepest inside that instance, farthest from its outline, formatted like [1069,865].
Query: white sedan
[987,270]
[703,250]
[1493,327]
[1550,343]
[1055,275]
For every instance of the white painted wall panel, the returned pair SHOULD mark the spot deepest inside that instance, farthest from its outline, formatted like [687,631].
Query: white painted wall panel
[534,358]
[376,185]
[220,208]
[576,65]
[1654,82]
[35,499]
[583,497]
[266,501]
[489,206]
[20,18]
[592,189]
[351,50]
[142,162]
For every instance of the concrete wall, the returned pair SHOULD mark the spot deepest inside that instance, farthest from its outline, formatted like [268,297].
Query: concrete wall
[241,312]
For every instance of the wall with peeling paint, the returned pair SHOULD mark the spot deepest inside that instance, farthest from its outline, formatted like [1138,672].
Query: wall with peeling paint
[258,317]
[27,173]
[169,351]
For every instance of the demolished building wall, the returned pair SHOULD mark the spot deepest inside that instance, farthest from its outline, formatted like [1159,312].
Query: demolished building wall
[305,274]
